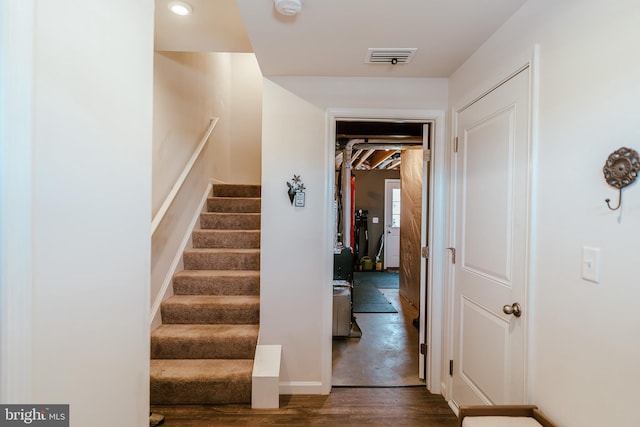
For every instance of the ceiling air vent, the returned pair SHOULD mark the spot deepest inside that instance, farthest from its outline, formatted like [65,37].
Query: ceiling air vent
[377,55]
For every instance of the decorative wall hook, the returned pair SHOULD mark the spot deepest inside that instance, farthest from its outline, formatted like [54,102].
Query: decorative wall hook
[620,170]
[296,191]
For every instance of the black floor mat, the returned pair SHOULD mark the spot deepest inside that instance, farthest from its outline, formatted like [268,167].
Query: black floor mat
[379,279]
[368,299]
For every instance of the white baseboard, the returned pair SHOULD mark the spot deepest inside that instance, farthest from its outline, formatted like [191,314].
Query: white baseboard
[453,407]
[301,387]
[177,262]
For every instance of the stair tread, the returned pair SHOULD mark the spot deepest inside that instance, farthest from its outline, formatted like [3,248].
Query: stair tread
[200,369]
[218,273]
[234,190]
[222,250]
[216,282]
[225,231]
[195,331]
[199,300]
[232,198]
[230,214]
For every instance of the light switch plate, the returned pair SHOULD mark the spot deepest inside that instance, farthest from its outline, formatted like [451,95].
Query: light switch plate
[374,220]
[591,264]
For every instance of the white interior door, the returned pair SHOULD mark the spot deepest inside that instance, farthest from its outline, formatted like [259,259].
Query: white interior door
[392,223]
[492,228]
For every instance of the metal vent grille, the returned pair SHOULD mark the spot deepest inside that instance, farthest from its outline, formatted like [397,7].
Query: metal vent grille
[377,55]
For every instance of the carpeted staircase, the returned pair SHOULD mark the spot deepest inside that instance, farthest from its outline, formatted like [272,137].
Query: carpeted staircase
[203,351]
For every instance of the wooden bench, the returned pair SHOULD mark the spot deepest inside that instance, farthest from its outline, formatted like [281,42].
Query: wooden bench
[503,415]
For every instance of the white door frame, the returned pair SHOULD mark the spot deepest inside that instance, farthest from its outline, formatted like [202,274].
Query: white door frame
[387,212]
[529,59]
[432,286]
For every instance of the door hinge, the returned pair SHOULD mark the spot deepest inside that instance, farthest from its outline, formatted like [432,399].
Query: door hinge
[453,255]
[424,252]
[451,367]
[455,145]
[423,348]
[426,157]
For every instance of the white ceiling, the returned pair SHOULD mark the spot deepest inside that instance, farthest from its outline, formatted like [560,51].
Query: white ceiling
[331,37]
[214,26]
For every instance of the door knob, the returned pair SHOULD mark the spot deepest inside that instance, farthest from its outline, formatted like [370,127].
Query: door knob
[514,309]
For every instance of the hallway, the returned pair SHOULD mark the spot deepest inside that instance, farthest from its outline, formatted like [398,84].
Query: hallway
[387,353]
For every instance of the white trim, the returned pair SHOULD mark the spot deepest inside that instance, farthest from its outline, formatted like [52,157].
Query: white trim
[168,201]
[177,260]
[534,85]
[435,284]
[435,320]
[301,387]
[454,407]
[16,198]
[216,181]
[327,296]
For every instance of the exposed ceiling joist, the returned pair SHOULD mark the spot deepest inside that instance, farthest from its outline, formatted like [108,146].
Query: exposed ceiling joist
[379,157]
[362,158]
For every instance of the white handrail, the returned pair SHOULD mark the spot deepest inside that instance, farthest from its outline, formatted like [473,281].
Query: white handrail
[168,201]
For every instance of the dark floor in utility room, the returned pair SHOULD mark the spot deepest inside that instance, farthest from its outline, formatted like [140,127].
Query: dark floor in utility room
[387,352]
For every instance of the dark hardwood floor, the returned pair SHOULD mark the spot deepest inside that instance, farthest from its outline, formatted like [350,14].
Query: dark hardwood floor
[400,406]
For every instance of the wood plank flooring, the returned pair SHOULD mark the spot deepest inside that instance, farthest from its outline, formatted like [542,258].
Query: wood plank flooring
[400,406]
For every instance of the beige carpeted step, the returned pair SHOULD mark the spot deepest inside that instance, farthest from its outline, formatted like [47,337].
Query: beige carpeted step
[208,309]
[236,190]
[216,282]
[233,204]
[221,259]
[200,381]
[204,342]
[245,239]
[230,221]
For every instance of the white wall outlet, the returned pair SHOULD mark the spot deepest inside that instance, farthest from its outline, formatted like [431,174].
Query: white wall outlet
[591,264]
[375,220]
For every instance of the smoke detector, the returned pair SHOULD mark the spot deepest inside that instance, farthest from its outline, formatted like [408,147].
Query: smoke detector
[288,7]
[376,55]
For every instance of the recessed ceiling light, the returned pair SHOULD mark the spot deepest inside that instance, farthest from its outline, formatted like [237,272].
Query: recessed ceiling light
[180,7]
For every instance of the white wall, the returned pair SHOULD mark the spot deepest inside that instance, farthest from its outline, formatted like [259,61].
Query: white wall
[90,144]
[295,279]
[246,120]
[190,89]
[584,369]
[16,118]
[297,243]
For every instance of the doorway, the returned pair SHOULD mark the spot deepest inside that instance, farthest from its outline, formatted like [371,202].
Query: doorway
[385,350]
[392,211]
[432,313]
